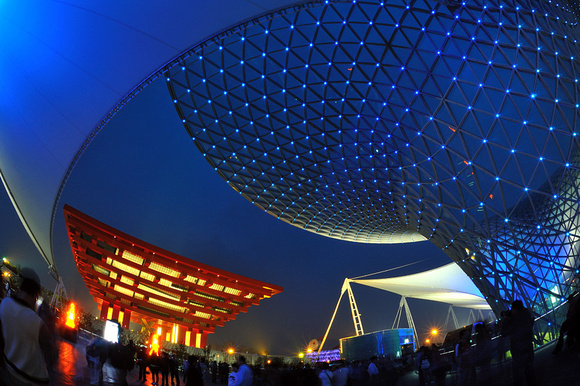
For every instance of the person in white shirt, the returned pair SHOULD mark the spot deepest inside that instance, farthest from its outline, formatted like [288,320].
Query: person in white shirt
[244,376]
[27,340]
[374,370]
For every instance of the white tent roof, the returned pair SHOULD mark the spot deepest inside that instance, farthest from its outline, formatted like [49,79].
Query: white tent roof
[447,284]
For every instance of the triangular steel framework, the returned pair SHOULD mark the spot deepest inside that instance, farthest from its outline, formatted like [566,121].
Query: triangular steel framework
[356,315]
[472,318]
[403,304]
[451,315]
[358,327]
[59,295]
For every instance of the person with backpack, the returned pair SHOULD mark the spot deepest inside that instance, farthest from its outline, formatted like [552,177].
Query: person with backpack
[518,326]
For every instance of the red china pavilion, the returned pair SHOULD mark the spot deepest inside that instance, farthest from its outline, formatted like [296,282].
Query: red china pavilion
[133,280]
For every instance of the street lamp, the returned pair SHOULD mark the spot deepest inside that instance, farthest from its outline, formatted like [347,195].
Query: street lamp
[231,352]
[433,334]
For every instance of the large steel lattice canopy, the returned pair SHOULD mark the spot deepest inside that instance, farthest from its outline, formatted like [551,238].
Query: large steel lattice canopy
[403,121]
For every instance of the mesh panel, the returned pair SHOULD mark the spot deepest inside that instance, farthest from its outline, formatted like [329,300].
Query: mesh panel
[147,276]
[123,290]
[161,303]
[156,291]
[125,267]
[162,269]
[132,257]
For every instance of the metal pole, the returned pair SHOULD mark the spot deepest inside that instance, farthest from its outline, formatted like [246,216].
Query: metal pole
[333,315]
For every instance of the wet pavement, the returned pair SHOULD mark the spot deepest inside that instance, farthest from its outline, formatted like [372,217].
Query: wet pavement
[70,367]
[561,370]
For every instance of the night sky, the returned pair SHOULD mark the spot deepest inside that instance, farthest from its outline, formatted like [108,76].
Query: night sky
[144,176]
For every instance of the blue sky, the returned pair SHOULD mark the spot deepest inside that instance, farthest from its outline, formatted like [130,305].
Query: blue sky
[143,175]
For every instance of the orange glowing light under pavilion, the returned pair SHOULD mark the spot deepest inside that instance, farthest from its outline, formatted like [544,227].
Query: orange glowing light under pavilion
[134,280]
[71,316]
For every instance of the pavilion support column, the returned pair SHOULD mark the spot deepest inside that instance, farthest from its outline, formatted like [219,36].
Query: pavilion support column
[126,318]
[203,340]
[116,310]
[194,338]
[104,310]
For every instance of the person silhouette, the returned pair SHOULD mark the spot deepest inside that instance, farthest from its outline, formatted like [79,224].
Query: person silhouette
[27,339]
[518,326]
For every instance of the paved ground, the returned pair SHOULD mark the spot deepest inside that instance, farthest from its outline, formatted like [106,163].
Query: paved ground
[561,370]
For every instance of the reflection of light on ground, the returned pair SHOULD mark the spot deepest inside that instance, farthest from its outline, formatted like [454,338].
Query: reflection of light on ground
[69,363]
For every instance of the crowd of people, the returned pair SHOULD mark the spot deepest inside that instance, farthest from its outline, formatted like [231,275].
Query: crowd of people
[340,373]
[474,352]
[27,344]
[110,363]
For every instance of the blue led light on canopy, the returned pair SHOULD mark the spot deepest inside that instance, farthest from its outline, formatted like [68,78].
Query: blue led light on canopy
[454,122]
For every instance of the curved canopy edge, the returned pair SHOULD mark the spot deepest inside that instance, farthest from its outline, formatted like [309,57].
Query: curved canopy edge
[447,284]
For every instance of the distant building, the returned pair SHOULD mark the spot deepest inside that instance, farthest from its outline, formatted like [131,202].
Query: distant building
[395,343]
[181,299]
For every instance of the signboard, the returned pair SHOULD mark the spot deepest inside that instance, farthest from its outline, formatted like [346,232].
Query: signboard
[111,331]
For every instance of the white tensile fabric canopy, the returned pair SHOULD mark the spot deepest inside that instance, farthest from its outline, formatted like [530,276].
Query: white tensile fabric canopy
[447,284]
